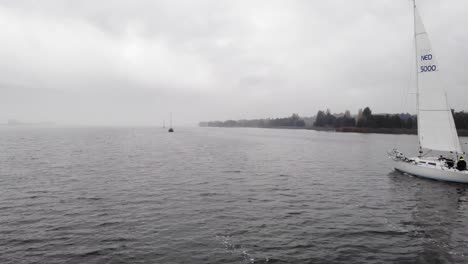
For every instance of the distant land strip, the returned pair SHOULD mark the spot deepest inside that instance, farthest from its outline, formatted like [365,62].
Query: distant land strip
[364,122]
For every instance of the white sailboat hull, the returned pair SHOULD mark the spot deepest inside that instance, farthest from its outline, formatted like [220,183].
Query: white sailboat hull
[436,172]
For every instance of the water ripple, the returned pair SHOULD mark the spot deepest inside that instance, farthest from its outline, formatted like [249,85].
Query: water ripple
[142,195]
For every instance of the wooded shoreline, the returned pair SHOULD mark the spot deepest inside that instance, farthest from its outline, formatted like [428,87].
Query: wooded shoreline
[364,122]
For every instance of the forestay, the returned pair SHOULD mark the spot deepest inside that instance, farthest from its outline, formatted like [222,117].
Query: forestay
[436,128]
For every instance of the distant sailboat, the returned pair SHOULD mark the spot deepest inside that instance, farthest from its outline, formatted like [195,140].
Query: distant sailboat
[436,127]
[164,124]
[170,127]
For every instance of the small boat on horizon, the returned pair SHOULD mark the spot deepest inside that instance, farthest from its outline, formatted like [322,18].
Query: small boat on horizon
[170,127]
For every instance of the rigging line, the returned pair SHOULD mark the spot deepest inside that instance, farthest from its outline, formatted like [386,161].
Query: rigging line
[453,128]
[435,110]
[430,150]
[404,105]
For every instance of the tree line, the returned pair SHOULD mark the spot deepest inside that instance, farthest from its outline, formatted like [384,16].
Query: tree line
[461,119]
[366,119]
[325,119]
[293,121]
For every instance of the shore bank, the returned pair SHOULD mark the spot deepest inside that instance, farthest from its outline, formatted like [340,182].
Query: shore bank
[364,130]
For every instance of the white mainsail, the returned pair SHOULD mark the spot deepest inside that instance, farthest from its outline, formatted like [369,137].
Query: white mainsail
[436,127]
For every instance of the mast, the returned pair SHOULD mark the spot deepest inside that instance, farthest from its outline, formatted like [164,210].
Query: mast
[417,72]
[170,120]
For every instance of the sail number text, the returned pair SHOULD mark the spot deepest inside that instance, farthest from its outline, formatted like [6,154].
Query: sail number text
[427,68]
[426,57]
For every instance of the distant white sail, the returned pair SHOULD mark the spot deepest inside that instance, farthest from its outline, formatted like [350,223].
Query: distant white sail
[436,127]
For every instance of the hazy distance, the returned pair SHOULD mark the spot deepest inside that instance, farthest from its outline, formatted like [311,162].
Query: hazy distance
[133,62]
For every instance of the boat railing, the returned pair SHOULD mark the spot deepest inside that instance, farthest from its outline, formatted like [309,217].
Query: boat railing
[396,155]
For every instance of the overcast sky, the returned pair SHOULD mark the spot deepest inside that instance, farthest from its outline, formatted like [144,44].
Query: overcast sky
[133,62]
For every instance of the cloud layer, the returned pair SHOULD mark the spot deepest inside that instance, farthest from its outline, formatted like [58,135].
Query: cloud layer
[127,62]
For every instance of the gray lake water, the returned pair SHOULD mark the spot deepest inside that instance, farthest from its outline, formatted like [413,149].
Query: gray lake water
[209,195]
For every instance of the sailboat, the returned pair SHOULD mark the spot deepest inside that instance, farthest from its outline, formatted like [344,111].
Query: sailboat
[170,127]
[436,127]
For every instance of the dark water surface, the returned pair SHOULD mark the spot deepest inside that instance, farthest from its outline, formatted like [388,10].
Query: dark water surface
[201,195]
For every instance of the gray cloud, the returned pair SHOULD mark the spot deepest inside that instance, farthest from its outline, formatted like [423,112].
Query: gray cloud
[132,62]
